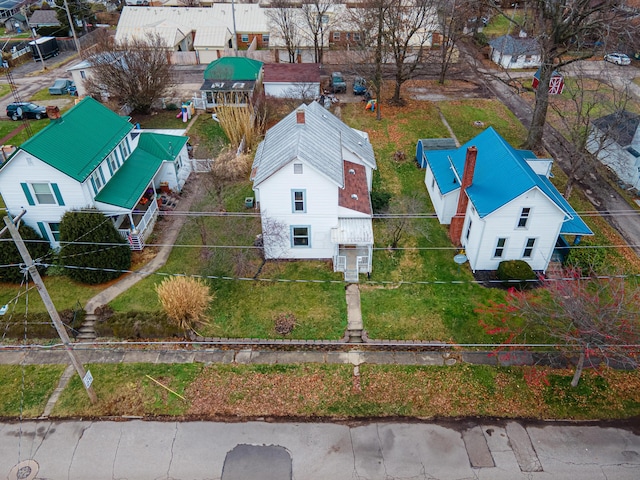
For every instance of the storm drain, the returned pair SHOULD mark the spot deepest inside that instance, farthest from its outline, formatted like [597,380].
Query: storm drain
[264,462]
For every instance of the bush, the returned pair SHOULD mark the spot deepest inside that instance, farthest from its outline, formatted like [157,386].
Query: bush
[516,273]
[184,300]
[380,201]
[590,259]
[95,235]
[135,325]
[481,39]
[9,254]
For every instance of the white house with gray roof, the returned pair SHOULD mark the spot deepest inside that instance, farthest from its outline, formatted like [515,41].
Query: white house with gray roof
[312,177]
[510,51]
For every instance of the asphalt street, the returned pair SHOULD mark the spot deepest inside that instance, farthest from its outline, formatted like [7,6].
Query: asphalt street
[107,450]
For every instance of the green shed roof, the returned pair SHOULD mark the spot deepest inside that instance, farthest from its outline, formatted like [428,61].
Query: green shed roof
[76,143]
[131,180]
[233,68]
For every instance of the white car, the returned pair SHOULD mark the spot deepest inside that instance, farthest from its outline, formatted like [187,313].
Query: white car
[618,58]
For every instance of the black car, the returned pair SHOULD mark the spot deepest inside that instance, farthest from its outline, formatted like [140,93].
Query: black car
[20,110]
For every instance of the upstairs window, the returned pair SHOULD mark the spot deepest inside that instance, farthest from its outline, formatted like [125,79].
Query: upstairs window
[43,194]
[298,200]
[297,168]
[524,217]
[468,230]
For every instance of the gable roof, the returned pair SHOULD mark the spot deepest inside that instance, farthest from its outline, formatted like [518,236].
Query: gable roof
[131,180]
[620,126]
[510,45]
[76,143]
[501,175]
[233,68]
[318,141]
[292,72]
[44,17]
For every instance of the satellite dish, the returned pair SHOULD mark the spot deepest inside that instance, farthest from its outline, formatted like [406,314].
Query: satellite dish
[460,258]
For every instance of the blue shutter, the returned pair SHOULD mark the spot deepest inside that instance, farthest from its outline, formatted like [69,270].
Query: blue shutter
[109,165]
[93,184]
[56,192]
[102,176]
[43,231]
[27,193]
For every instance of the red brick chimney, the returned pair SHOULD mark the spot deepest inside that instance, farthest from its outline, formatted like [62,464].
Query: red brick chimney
[457,222]
[300,116]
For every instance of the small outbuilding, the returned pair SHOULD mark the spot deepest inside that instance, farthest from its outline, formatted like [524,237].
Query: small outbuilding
[509,52]
[292,80]
[230,81]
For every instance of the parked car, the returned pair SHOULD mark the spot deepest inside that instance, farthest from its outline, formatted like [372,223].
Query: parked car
[359,86]
[20,110]
[61,86]
[617,58]
[338,85]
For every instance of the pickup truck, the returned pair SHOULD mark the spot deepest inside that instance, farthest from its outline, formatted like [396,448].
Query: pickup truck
[338,85]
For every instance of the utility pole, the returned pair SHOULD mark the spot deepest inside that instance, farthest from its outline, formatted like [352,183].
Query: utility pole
[73,30]
[48,303]
[35,42]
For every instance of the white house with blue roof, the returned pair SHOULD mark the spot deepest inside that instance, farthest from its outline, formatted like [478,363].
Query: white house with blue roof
[90,157]
[312,177]
[499,202]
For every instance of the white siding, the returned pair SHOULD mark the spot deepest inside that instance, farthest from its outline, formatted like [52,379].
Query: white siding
[24,168]
[521,61]
[544,225]
[444,205]
[321,202]
[617,158]
[292,89]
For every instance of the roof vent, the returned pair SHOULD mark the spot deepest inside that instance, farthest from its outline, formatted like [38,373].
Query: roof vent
[352,171]
[354,196]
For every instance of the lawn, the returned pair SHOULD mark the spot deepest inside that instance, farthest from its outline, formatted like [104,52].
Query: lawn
[4,89]
[312,390]
[27,389]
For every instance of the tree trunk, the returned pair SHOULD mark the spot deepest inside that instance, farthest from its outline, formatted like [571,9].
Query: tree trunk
[534,137]
[578,372]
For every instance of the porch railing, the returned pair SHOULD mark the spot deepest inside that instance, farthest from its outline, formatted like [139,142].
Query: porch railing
[136,236]
[340,264]
[363,264]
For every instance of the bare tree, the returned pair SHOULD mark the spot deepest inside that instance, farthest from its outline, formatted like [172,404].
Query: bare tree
[135,72]
[401,219]
[274,239]
[584,100]
[318,21]
[284,20]
[559,26]
[596,318]
[452,16]
[408,25]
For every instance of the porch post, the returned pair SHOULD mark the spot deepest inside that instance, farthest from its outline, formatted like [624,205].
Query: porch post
[133,226]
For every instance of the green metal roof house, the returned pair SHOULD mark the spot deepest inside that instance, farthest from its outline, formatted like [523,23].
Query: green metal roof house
[230,81]
[90,157]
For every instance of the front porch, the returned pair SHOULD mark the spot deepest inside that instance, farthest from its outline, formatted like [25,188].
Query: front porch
[136,225]
[354,247]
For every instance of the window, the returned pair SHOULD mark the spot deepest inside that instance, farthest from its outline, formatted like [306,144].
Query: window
[300,236]
[298,200]
[348,36]
[297,168]
[524,217]
[265,38]
[83,75]
[499,251]
[244,38]
[43,193]
[356,37]
[336,36]
[112,161]
[325,19]
[514,59]
[55,231]
[468,230]
[528,249]
[126,148]
[97,180]
[433,182]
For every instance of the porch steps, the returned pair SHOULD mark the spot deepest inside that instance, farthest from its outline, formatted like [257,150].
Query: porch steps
[87,330]
[351,276]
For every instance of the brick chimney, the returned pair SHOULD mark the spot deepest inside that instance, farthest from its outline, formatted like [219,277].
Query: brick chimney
[53,112]
[300,116]
[457,222]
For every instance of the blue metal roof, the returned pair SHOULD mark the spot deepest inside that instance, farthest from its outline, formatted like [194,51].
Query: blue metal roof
[501,175]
